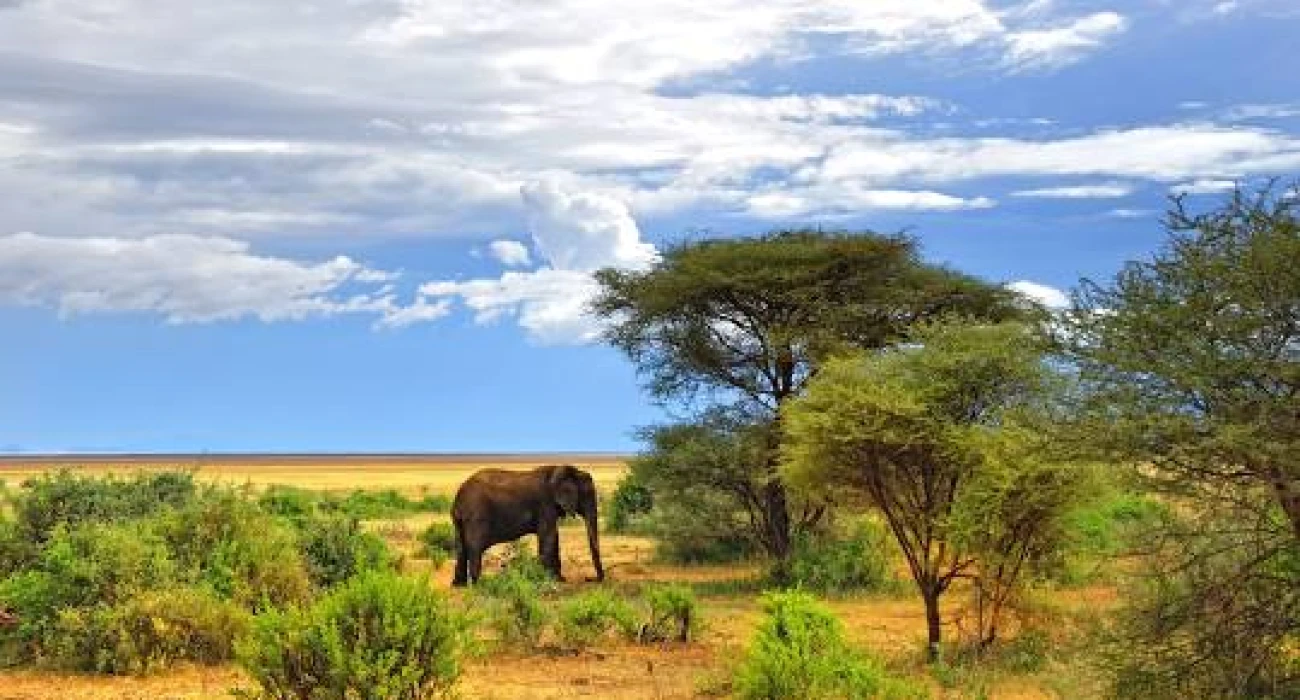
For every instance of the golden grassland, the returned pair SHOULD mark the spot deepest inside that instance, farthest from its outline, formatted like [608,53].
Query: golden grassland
[891,625]
[410,474]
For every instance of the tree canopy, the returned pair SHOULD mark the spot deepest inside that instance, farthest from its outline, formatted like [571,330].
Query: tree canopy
[751,316]
[742,323]
[1191,365]
[944,438]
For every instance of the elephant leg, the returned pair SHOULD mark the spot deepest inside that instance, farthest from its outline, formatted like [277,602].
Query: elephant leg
[462,560]
[548,548]
[475,563]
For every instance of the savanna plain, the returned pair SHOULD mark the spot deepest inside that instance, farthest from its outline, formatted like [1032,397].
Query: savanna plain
[891,624]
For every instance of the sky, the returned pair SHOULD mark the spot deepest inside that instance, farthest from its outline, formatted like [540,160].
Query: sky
[370,225]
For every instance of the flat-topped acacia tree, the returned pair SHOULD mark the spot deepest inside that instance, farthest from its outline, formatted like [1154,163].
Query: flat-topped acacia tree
[744,323]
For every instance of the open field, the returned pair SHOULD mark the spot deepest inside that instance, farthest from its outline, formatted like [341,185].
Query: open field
[891,625]
[410,474]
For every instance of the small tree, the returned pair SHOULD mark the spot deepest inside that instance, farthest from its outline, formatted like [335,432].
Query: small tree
[940,438]
[744,323]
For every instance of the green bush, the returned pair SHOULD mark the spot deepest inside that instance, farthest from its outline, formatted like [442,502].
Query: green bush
[700,529]
[88,564]
[513,601]
[289,502]
[227,543]
[149,632]
[799,651]
[588,617]
[376,505]
[1106,527]
[65,498]
[434,503]
[628,505]
[379,636]
[674,614]
[835,563]
[438,542]
[336,549]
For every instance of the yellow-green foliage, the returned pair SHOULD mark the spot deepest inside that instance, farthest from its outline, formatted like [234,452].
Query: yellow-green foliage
[799,653]
[380,636]
[589,617]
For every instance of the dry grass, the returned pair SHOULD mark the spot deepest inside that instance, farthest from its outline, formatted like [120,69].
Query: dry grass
[410,475]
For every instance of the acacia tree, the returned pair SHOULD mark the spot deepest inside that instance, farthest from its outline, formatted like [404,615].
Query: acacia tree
[1191,362]
[743,323]
[942,438]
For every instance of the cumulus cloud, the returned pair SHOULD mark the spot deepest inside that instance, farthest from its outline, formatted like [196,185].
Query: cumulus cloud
[583,231]
[1048,296]
[404,118]
[509,253]
[575,235]
[1063,44]
[1098,191]
[415,117]
[190,279]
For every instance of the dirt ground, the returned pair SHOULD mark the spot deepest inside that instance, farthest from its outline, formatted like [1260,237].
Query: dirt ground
[893,626]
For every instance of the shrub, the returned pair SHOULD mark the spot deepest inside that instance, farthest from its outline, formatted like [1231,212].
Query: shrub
[225,542]
[700,530]
[336,549]
[799,651]
[289,502]
[628,505]
[375,505]
[16,550]
[64,498]
[147,633]
[438,542]
[832,563]
[588,617]
[673,614]
[514,601]
[100,563]
[379,636]
[434,503]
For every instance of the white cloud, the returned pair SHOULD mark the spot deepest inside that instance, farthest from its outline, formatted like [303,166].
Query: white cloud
[826,199]
[1203,186]
[583,231]
[1126,213]
[575,234]
[1098,191]
[1062,44]
[1226,7]
[1159,153]
[416,117]
[188,279]
[510,253]
[1051,297]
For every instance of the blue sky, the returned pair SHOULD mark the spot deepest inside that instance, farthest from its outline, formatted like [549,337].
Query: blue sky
[369,225]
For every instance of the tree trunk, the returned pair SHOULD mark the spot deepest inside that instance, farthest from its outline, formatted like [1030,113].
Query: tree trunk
[778,520]
[932,623]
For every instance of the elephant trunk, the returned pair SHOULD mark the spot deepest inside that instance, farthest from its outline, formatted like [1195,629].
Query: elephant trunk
[593,540]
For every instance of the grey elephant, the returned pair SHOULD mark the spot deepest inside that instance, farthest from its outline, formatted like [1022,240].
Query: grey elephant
[498,505]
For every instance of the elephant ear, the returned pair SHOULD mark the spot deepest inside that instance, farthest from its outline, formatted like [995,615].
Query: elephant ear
[563,480]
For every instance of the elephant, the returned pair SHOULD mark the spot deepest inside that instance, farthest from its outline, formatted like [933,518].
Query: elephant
[498,505]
